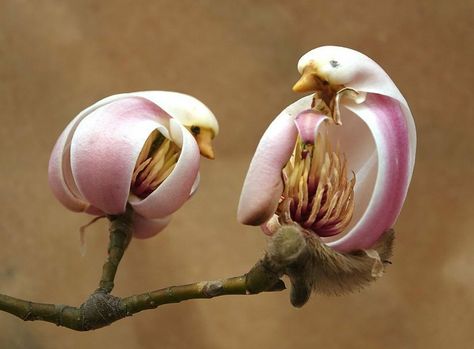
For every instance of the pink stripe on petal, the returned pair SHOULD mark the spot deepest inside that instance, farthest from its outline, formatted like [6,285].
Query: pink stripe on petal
[263,184]
[144,228]
[105,148]
[390,129]
[176,189]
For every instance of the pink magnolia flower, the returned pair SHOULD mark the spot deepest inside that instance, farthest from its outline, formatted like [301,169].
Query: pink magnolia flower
[337,163]
[137,148]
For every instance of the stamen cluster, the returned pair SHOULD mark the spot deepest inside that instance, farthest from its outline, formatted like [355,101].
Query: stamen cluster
[317,194]
[156,161]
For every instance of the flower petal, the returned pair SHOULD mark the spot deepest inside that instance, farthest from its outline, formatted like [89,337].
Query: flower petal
[387,122]
[341,65]
[187,109]
[308,122]
[173,192]
[58,169]
[60,175]
[144,228]
[195,185]
[263,184]
[105,148]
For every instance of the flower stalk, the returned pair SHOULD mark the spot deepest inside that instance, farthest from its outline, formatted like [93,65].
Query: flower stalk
[120,236]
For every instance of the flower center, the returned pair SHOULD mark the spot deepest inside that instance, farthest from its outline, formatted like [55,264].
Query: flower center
[157,159]
[317,194]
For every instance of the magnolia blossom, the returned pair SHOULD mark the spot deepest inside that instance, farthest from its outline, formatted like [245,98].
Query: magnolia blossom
[141,149]
[338,162]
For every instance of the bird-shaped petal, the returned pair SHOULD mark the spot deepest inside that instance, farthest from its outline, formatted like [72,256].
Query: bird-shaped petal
[126,149]
[188,110]
[375,143]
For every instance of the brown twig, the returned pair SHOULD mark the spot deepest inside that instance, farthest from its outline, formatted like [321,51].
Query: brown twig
[309,263]
[120,236]
[101,308]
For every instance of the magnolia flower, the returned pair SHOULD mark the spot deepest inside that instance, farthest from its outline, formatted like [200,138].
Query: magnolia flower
[338,162]
[137,148]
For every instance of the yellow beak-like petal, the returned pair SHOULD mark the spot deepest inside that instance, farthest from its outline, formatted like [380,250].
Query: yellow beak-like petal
[204,141]
[309,81]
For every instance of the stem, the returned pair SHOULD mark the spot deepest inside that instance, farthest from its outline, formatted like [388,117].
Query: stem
[60,315]
[102,309]
[120,236]
[259,279]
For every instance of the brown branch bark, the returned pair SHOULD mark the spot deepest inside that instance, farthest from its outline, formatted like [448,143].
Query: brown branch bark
[309,263]
[101,308]
[120,236]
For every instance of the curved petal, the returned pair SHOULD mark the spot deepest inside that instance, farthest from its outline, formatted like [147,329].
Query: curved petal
[144,228]
[387,123]
[344,66]
[263,184]
[58,169]
[105,148]
[186,109]
[341,65]
[195,185]
[271,226]
[173,192]
[308,123]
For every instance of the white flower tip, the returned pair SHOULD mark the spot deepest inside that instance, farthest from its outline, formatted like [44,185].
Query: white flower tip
[188,110]
[350,68]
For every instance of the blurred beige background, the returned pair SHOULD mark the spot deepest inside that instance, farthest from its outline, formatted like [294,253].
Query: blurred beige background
[239,57]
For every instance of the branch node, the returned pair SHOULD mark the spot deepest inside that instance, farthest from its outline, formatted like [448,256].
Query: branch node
[213,288]
[101,309]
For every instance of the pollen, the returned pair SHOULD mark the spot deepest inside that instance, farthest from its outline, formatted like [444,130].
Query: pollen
[317,193]
[155,162]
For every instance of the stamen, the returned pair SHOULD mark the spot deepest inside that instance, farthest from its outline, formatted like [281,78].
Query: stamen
[155,162]
[317,193]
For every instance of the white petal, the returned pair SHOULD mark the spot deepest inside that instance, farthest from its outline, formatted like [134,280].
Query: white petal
[341,65]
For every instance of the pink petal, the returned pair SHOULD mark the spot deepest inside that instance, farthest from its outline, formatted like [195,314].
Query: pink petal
[195,185]
[144,228]
[186,109]
[58,165]
[173,192]
[105,148]
[60,175]
[271,226]
[263,184]
[308,122]
[392,169]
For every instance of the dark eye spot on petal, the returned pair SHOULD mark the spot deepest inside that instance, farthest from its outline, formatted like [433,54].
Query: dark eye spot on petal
[334,63]
[195,130]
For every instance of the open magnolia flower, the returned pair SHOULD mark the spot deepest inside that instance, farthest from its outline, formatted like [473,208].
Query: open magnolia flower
[141,149]
[338,163]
